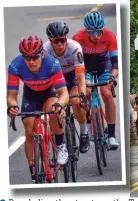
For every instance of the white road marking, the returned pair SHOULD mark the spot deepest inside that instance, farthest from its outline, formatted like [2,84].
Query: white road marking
[16,145]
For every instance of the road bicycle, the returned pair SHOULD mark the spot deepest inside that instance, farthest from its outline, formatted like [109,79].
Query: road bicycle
[45,168]
[72,140]
[97,120]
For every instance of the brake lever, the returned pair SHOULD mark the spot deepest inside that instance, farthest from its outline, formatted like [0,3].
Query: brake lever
[12,124]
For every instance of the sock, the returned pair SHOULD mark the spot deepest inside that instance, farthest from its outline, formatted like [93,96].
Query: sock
[111,130]
[88,129]
[83,128]
[59,139]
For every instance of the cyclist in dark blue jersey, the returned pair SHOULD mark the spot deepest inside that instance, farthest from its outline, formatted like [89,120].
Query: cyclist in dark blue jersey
[43,80]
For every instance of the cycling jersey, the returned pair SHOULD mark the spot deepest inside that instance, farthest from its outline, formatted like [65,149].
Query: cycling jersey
[72,57]
[50,74]
[96,53]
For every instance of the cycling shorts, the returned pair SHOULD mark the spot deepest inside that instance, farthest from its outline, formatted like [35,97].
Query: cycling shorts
[70,80]
[34,100]
[100,67]
[102,77]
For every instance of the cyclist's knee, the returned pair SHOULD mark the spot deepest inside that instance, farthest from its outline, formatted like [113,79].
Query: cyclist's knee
[28,125]
[106,94]
[79,114]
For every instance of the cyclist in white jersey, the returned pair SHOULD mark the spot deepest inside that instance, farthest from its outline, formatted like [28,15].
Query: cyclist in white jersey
[69,54]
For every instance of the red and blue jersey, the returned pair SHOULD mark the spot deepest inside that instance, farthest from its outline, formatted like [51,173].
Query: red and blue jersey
[50,73]
[96,53]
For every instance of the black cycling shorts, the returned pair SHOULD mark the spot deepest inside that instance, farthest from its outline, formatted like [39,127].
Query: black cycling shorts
[70,80]
[34,100]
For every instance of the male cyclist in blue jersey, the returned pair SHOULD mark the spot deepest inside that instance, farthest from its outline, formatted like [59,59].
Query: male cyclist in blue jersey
[41,74]
[99,46]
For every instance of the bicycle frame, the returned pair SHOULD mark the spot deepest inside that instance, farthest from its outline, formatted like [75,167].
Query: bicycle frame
[43,134]
[45,139]
[96,103]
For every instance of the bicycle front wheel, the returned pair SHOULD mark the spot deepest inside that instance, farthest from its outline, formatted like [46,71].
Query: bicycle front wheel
[75,152]
[104,146]
[67,166]
[39,172]
[97,141]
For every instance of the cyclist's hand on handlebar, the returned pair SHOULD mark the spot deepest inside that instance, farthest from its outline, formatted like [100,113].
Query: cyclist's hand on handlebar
[112,81]
[85,104]
[58,109]
[13,110]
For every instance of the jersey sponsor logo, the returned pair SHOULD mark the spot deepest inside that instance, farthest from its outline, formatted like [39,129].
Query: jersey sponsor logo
[14,67]
[66,56]
[36,82]
[26,105]
[94,50]
[80,57]
[74,51]
[56,61]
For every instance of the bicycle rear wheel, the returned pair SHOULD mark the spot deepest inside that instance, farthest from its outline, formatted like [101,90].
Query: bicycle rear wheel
[39,170]
[97,141]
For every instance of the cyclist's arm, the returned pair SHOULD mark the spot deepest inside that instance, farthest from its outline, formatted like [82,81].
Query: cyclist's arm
[113,50]
[79,68]
[63,96]
[80,76]
[12,97]
[12,85]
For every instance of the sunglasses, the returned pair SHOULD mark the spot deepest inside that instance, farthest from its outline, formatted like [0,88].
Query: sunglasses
[28,58]
[96,31]
[57,40]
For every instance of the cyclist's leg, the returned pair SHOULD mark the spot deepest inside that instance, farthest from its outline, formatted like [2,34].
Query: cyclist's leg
[79,112]
[28,105]
[110,107]
[80,115]
[62,153]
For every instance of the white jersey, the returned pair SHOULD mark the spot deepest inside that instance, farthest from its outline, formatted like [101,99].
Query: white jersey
[72,57]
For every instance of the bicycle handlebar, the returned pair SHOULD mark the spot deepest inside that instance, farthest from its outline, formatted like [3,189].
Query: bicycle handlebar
[103,84]
[36,114]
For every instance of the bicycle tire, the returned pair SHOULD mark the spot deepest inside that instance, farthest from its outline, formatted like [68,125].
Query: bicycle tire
[104,146]
[53,163]
[75,152]
[97,142]
[67,166]
[39,172]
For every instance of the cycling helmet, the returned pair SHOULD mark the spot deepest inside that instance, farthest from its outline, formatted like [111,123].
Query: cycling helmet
[57,29]
[94,20]
[31,45]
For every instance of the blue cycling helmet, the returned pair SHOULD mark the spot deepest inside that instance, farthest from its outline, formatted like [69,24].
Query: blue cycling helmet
[94,20]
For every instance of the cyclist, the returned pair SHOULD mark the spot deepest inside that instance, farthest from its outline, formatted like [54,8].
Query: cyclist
[69,54]
[41,74]
[100,54]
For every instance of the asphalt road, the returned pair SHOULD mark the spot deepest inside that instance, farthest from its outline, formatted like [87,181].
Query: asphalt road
[33,21]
